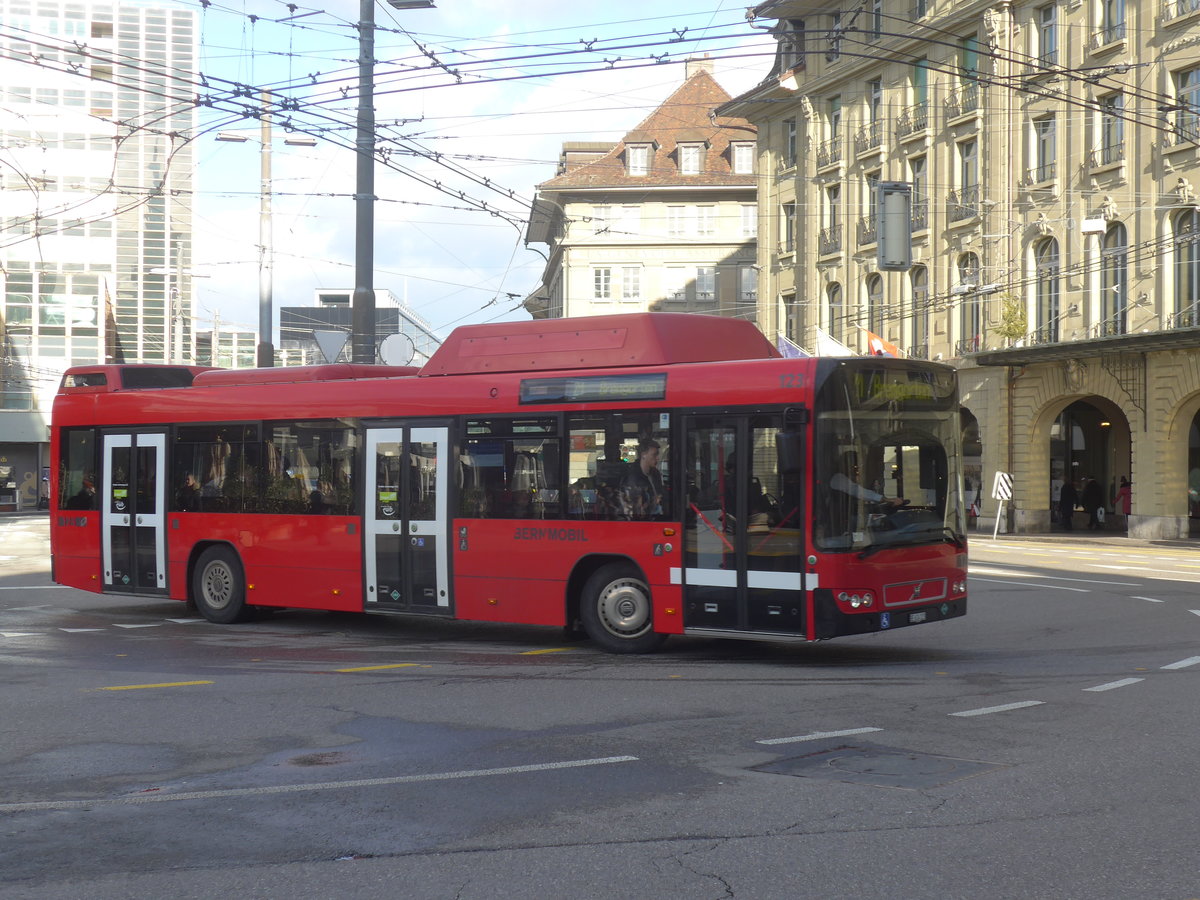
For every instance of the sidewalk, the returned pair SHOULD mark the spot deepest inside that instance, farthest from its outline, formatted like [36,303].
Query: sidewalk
[1085,538]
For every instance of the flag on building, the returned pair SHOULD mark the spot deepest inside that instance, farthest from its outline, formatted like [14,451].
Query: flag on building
[831,346]
[789,349]
[877,346]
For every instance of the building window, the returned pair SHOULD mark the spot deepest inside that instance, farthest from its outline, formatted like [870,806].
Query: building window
[1187,96]
[706,284]
[1112,129]
[1114,281]
[706,221]
[1044,152]
[637,159]
[968,55]
[789,142]
[833,311]
[749,220]
[743,158]
[602,283]
[918,278]
[876,19]
[691,159]
[875,304]
[677,221]
[631,283]
[791,45]
[920,202]
[833,198]
[1187,270]
[835,38]
[1048,290]
[748,285]
[1112,21]
[1047,35]
[874,100]
[787,228]
[676,283]
[970,310]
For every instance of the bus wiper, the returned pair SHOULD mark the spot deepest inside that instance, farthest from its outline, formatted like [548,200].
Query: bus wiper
[958,540]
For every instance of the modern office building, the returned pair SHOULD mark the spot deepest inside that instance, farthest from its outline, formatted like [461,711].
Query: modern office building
[96,113]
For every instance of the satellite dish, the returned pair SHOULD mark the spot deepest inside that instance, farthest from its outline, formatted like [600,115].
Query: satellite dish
[397,350]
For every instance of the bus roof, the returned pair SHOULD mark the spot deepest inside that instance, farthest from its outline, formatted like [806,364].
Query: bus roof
[598,342]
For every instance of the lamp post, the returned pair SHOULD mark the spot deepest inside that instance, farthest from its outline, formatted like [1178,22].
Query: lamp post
[363,299]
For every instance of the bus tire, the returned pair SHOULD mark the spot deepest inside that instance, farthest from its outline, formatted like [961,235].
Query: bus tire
[219,587]
[617,611]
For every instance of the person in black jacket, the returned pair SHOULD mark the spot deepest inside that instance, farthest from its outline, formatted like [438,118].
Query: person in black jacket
[1091,500]
[1066,504]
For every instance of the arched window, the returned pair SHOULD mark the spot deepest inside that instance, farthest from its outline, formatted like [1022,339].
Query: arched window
[1187,270]
[835,314]
[1045,255]
[875,304]
[970,305]
[918,278]
[1114,280]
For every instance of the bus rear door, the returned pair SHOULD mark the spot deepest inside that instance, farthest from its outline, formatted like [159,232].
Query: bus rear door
[406,519]
[133,512]
[744,528]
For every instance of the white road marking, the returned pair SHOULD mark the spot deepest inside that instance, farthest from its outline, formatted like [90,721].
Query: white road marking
[1184,663]
[186,621]
[139,799]
[1148,599]
[988,710]
[32,587]
[1195,611]
[14,634]
[79,630]
[1053,587]
[818,735]
[1113,685]
[1016,574]
[150,625]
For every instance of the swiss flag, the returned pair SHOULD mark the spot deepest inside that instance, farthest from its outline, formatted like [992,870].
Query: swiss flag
[877,346]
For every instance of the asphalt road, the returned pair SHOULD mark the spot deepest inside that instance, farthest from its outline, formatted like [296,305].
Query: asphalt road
[1042,746]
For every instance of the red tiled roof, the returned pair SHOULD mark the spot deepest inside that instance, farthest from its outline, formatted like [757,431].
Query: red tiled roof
[687,116]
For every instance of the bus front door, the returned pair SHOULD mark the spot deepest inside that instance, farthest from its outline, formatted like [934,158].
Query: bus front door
[133,513]
[743,562]
[407,520]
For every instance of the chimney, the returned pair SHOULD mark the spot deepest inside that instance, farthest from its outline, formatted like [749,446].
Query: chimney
[697,64]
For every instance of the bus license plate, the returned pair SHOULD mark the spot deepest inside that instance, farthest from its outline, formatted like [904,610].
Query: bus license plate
[914,618]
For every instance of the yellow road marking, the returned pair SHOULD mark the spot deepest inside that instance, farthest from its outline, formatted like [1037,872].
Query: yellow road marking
[138,687]
[549,650]
[377,668]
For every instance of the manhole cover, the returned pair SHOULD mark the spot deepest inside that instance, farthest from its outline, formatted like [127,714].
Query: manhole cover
[879,766]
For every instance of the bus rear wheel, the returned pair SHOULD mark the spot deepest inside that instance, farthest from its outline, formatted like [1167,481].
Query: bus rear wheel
[617,612]
[220,587]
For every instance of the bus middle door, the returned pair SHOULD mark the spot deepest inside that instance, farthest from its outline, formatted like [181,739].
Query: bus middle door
[407,520]
[743,532]
[133,513]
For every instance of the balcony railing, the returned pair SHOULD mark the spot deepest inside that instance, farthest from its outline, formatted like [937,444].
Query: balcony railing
[829,153]
[1112,34]
[920,214]
[1188,317]
[1113,326]
[1176,9]
[912,120]
[1108,155]
[829,240]
[1040,174]
[787,245]
[1046,334]
[868,137]
[963,204]
[968,345]
[868,230]
[963,101]
[917,351]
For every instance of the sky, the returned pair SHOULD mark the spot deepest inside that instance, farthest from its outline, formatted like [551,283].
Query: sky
[492,89]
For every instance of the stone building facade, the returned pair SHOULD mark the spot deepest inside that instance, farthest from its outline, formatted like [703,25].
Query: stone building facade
[1052,149]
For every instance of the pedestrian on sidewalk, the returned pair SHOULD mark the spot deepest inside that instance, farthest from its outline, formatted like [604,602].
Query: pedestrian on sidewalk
[1124,499]
[1092,499]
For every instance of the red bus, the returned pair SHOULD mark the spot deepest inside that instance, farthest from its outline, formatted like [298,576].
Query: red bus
[632,476]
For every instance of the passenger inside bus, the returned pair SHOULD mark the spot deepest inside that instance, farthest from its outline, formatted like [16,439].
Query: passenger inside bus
[642,491]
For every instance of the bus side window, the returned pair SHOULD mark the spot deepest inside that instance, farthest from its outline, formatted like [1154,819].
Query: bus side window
[77,470]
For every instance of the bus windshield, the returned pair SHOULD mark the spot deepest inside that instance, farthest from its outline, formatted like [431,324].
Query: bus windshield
[887,456]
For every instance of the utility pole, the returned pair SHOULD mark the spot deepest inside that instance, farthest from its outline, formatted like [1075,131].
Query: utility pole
[266,350]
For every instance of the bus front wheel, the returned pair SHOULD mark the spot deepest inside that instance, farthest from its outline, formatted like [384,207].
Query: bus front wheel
[219,586]
[617,612]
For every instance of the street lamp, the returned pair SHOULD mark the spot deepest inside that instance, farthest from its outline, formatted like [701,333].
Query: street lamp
[363,300]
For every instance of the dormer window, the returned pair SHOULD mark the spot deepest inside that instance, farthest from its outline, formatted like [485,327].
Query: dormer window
[742,154]
[691,159]
[637,159]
